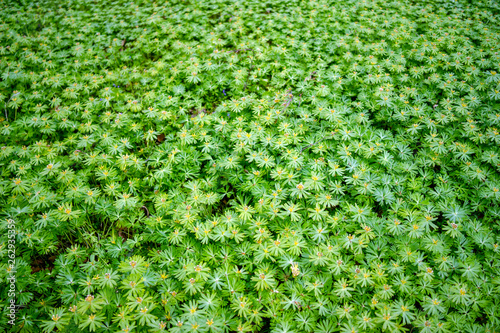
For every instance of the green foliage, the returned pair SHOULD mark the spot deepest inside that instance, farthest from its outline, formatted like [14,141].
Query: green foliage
[221,166]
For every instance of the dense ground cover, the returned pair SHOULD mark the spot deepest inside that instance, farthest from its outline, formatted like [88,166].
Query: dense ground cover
[281,166]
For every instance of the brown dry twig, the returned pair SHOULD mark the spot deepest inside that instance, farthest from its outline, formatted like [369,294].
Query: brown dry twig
[146,209]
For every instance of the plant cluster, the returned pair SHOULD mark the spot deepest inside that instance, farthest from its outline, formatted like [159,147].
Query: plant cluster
[251,166]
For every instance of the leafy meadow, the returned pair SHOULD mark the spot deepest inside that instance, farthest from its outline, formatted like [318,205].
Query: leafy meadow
[222,166]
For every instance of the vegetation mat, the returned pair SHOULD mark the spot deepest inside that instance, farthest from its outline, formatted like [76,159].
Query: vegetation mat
[251,166]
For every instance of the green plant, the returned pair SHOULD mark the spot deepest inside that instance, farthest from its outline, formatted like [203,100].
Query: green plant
[223,166]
